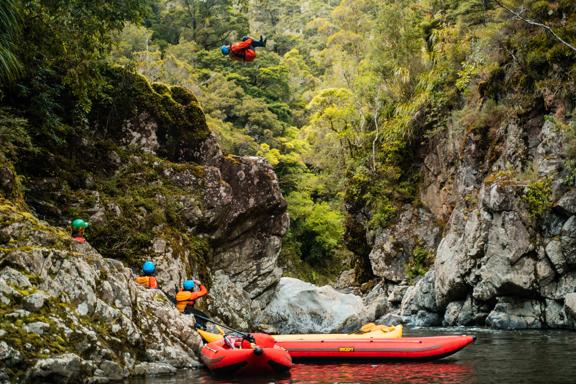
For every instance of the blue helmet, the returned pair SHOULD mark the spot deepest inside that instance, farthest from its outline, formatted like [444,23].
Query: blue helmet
[188,285]
[225,49]
[148,267]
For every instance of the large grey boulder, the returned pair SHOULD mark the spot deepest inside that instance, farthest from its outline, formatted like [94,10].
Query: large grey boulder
[570,305]
[67,368]
[249,231]
[557,290]
[458,253]
[387,258]
[376,302]
[153,369]
[567,203]
[504,269]
[230,302]
[554,253]
[512,313]
[548,157]
[300,307]
[568,241]
[463,313]
[394,246]
[419,303]
[558,315]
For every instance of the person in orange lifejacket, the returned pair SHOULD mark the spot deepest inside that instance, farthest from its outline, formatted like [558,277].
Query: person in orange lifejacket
[244,50]
[186,297]
[147,279]
[77,227]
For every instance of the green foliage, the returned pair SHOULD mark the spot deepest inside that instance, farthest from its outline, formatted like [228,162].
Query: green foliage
[10,66]
[419,263]
[63,44]
[14,139]
[538,197]
[13,134]
[469,71]
[209,22]
[181,121]
[318,227]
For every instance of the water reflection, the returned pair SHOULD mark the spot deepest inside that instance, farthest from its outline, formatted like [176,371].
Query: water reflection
[446,372]
[415,373]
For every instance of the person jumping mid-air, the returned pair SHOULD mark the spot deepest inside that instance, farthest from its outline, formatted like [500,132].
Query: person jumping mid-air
[244,50]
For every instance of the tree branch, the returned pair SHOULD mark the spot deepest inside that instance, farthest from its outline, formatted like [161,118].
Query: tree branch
[535,23]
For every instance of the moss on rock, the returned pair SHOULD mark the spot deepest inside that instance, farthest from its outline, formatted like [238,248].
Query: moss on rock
[181,123]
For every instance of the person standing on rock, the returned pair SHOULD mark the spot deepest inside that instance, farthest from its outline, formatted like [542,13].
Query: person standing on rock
[148,279]
[186,298]
[78,226]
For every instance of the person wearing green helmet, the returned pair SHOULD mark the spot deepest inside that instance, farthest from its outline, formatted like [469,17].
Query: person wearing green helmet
[78,226]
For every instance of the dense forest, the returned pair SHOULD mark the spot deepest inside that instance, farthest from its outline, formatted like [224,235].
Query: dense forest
[340,102]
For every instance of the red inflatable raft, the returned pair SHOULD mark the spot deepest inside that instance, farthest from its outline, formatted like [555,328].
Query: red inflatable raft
[242,356]
[405,348]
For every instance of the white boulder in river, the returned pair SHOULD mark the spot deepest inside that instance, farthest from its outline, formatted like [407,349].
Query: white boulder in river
[301,307]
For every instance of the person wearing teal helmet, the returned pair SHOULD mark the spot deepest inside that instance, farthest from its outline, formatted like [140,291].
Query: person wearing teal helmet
[188,285]
[78,226]
[186,298]
[148,268]
[148,279]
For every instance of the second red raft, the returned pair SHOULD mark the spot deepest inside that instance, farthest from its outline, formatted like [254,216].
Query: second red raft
[240,356]
[406,348]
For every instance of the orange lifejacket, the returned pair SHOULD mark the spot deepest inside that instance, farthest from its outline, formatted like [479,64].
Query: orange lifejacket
[185,298]
[147,281]
[241,51]
[79,239]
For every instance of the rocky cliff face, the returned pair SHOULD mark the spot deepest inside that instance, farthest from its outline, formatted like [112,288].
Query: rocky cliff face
[70,315]
[505,200]
[504,259]
[150,178]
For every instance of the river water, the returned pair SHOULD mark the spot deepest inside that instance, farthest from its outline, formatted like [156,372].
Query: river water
[546,357]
